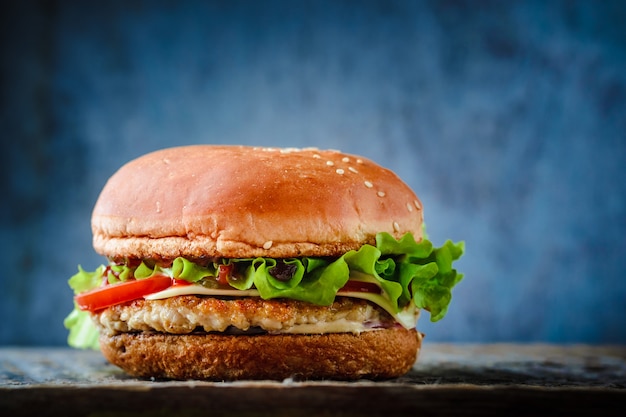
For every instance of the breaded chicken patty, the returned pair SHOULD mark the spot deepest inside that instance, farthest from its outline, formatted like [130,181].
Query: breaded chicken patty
[190,313]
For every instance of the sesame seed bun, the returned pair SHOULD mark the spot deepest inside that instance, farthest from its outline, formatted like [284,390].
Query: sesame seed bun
[234,201]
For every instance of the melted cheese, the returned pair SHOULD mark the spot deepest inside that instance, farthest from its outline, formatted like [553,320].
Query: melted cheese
[337,326]
[177,290]
[407,317]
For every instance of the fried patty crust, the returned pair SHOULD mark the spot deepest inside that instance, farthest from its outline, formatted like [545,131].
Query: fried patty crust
[190,313]
[377,354]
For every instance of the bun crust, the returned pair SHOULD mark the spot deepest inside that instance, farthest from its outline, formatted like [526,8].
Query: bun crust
[233,201]
[379,354]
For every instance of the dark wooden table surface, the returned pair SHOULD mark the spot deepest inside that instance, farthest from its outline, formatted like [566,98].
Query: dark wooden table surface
[494,379]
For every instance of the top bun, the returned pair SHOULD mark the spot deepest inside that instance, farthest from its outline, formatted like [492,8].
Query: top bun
[236,202]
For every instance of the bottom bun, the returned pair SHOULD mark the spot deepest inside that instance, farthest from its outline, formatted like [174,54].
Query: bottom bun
[379,354]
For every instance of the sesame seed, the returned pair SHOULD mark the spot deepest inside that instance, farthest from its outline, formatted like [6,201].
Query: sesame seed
[409,207]
[339,171]
[368,184]
[396,226]
[417,204]
[330,163]
[316,156]
[353,170]
[345,159]
[267,245]
[359,161]
[381,193]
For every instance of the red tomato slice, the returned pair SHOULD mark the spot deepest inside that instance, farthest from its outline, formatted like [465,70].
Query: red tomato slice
[360,286]
[110,295]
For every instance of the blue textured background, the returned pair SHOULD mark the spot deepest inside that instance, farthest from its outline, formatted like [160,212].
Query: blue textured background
[507,118]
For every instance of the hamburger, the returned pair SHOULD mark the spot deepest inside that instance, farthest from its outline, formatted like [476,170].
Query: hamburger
[236,262]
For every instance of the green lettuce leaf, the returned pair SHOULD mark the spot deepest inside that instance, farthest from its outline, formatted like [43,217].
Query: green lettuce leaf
[406,270]
[82,331]
[189,271]
[84,281]
[318,285]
